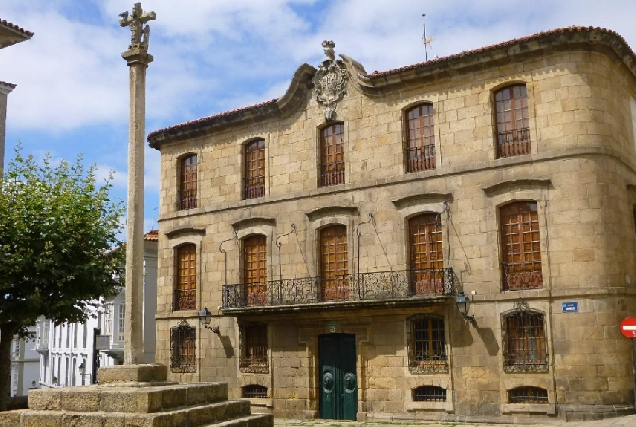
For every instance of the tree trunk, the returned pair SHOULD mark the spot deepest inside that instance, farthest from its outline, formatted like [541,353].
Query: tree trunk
[7,330]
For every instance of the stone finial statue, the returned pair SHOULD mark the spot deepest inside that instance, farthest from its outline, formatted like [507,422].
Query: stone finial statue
[136,22]
[330,81]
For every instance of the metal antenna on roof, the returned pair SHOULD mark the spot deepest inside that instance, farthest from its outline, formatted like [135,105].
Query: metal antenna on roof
[426,40]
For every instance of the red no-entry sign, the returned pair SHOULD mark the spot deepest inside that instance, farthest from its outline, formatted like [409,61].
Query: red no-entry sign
[628,327]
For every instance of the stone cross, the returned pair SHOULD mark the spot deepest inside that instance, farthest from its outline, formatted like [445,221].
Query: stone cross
[136,22]
[138,59]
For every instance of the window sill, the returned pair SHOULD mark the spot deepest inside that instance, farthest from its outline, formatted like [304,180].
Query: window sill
[528,408]
[429,406]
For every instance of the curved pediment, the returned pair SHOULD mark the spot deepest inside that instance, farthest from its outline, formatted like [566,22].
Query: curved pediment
[176,232]
[253,222]
[419,199]
[332,211]
[517,185]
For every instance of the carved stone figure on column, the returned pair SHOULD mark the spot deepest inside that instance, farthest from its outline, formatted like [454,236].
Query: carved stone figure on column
[136,22]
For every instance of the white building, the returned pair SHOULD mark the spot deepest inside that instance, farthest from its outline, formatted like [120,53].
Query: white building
[71,354]
[25,365]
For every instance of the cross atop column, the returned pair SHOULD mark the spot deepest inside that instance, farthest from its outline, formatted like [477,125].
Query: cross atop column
[136,22]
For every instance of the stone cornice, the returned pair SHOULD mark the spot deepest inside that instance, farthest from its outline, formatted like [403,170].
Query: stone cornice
[185,231]
[253,222]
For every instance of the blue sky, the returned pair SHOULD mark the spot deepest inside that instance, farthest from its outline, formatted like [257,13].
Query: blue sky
[216,55]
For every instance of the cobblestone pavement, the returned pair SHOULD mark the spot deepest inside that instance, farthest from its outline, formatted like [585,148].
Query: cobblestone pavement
[626,421]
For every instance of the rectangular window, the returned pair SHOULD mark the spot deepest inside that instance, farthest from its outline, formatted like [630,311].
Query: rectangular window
[420,147]
[188,182]
[254,169]
[426,255]
[520,246]
[120,322]
[429,394]
[75,331]
[254,348]
[513,123]
[528,395]
[255,269]
[183,348]
[526,345]
[427,344]
[332,165]
[334,263]
[186,272]
[108,316]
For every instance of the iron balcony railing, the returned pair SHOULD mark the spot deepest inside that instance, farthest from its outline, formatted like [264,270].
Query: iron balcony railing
[185,299]
[382,285]
[420,158]
[522,275]
[513,142]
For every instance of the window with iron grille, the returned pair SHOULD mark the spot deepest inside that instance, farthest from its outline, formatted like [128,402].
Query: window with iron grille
[334,263]
[427,344]
[429,393]
[513,124]
[520,246]
[255,269]
[254,181]
[526,394]
[254,391]
[525,345]
[426,256]
[183,339]
[186,278]
[253,342]
[420,138]
[332,165]
[188,182]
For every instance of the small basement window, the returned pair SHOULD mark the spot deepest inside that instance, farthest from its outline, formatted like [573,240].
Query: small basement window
[429,394]
[254,391]
[528,395]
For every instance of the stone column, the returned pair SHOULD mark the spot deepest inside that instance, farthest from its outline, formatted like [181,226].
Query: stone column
[5,89]
[137,58]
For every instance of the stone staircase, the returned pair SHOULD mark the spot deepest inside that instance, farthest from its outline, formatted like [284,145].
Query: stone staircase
[119,402]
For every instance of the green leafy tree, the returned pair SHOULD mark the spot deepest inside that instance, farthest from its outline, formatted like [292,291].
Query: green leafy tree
[58,228]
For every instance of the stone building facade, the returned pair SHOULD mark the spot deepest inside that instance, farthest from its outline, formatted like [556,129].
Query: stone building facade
[332,232]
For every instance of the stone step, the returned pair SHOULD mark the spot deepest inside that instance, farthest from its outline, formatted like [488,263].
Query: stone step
[196,416]
[256,420]
[126,399]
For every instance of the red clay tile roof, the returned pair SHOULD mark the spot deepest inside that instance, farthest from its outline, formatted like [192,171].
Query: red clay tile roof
[213,117]
[16,28]
[433,62]
[262,107]
[152,236]
[11,85]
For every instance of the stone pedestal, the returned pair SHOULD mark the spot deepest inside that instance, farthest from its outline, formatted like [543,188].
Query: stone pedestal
[135,396]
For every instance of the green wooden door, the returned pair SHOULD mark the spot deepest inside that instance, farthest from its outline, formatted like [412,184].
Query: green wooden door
[338,381]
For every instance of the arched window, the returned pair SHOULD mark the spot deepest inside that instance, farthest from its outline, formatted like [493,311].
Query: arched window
[427,344]
[520,245]
[254,391]
[513,124]
[255,269]
[334,263]
[420,138]
[332,162]
[254,179]
[528,394]
[426,255]
[183,339]
[429,393]
[186,278]
[188,182]
[525,344]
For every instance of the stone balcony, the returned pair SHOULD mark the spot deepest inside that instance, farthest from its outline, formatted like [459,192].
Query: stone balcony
[347,291]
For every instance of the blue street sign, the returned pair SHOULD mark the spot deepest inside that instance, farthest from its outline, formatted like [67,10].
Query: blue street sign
[570,307]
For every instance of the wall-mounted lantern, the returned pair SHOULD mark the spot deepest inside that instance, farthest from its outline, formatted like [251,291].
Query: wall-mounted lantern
[462,302]
[205,318]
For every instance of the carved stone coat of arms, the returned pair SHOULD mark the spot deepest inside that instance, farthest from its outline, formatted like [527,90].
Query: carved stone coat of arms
[330,81]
